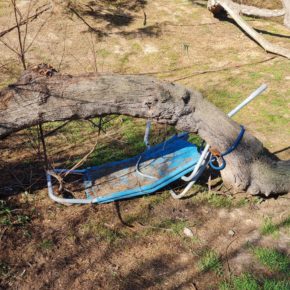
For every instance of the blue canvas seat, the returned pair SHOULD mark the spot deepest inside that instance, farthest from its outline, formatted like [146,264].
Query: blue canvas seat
[142,174]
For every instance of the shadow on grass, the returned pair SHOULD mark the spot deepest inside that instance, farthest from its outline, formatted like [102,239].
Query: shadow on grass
[114,14]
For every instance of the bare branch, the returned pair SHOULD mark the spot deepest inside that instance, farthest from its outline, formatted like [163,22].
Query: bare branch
[286,5]
[233,9]
[259,12]
[21,48]
[23,22]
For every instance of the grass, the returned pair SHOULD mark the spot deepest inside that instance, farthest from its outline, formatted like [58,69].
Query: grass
[100,232]
[220,201]
[217,200]
[242,282]
[176,226]
[46,244]
[268,227]
[210,261]
[248,282]
[125,138]
[10,216]
[276,285]
[274,260]
[223,98]
[157,199]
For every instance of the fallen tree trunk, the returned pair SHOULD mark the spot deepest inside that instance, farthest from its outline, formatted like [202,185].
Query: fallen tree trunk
[41,95]
[219,7]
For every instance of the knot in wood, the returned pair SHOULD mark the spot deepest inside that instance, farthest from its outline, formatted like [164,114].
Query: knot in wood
[186,97]
[150,102]
[44,69]
[43,95]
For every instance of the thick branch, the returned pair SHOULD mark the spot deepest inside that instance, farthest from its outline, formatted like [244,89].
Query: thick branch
[259,12]
[286,4]
[233,10]
[38,98]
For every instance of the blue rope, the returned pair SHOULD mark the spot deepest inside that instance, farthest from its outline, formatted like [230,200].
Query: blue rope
[228,151]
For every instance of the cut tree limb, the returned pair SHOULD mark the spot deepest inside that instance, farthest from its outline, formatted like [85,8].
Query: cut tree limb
[286,4]
[259,12]
[234,10]
[38,98]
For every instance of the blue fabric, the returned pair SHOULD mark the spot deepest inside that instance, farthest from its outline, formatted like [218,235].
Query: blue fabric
[169,161]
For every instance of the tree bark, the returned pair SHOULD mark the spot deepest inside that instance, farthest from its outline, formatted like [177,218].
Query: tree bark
[41,95]
[234,10]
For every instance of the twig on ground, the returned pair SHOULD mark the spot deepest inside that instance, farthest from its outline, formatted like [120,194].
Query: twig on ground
[227,259]
[223,68]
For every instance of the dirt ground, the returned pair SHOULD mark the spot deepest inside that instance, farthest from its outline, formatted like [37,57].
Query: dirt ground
[140,243]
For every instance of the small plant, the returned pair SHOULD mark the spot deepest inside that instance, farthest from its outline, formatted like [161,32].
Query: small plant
[176,226]
[220,201]
[46,245]
[242,202]
[194,138]
[224,285]
[4,268]
[158,198]
[272,259]
[107,234]
[9,216]
[210,261]
[268,226]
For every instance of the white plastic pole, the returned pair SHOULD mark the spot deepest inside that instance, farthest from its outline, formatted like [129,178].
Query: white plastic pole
[253,95]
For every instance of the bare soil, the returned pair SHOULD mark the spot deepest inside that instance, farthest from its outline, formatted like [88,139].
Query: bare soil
[140,244]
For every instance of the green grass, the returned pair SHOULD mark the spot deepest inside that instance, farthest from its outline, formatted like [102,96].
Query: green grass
[268,227]
[194,138]
[100,232]
[245,282]
[223,99]
[156,199]
[216,200]
[275,261]
[10,216]
[248,282]
[175,225]
[276,285]
[220,201]
[4,269]
[210,261]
